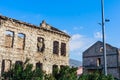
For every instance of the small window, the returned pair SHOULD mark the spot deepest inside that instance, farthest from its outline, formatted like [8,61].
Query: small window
[98,61]
[101,49]
[63,49]
[21,41]
[40,44]
[6,65]
[39,65]
[9,38]
[55,47]
[55,69]
[0,21]
[18,63]
[62,66]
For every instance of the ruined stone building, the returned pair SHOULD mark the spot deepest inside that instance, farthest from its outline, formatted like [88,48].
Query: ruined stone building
[93,59]
[45,46]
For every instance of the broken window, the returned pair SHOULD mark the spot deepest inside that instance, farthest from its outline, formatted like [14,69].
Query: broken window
[101,49]
[0,21]
[18,63]
[55,47]
[6,65]
[39,65]
[63,49]
[40,44]
[98,61]
[62,66]
[55,69]
[9,38]
[21,41]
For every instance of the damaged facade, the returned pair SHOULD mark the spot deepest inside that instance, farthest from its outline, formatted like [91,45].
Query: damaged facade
[93,59]
[45,46]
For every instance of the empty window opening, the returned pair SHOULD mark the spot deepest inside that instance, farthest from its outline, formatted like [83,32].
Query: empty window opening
[63,49]
[39,65]
[6,65]
[98,61]
[55,69]
[0,22]
[40,44]
[62,66]
[101,49]
[55,47]
[18,63]
[9,38]
[21,41]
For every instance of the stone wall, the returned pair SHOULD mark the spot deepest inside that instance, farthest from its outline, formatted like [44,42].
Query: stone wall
[93,59]
[27,48]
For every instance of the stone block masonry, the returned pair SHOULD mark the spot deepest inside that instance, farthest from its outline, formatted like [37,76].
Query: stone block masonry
[44,45]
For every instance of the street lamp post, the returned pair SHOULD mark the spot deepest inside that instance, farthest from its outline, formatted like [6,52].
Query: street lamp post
[103,34]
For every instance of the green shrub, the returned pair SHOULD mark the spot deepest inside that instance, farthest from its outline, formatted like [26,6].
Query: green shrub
[25,72]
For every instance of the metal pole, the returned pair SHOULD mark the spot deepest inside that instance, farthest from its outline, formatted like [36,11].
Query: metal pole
[103,34]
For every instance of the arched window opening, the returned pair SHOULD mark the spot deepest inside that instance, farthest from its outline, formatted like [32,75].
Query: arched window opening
[101,49]
[18,63]
[40,44]
[39,65]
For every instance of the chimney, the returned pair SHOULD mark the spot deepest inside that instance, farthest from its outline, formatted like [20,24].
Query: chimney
[43,24]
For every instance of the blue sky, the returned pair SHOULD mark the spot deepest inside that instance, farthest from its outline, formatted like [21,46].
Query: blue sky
[79,18]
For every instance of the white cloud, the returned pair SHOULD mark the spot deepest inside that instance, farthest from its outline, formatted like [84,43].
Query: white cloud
[78,44]
[75,42]
[77,28]
[98,35]
[65,31]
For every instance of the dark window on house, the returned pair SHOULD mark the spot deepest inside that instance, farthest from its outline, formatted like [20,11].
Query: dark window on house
[55,47]
[21,41]
[63,49]
[9,38]
[39,65]
[55,69]
[40,44]
[98,61]
[6,65]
